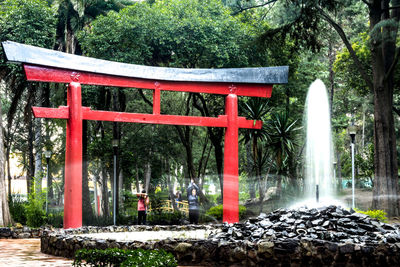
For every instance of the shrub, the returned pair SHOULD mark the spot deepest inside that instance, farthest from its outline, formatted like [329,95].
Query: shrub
[17,208]
[216,212]
[56,219]
[380,215]
[165,218]
[35,213]
[127,258]
[102,220]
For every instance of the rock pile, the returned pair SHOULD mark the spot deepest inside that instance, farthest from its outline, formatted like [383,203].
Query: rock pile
[332,223]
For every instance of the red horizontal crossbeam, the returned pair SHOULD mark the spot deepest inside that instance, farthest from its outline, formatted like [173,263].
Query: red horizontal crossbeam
[88,114]
[54,113]
[49,74]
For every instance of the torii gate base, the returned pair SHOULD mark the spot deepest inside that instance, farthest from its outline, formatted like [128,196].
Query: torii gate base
[51,66]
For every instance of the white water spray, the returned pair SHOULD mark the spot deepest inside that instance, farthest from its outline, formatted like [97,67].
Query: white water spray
[319,185]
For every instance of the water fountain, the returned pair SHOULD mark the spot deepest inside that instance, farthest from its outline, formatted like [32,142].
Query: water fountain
[318,182]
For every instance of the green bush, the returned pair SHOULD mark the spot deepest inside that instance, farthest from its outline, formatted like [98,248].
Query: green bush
[35,212]
[165,218]
[380,215]
[216,212]
[17,208]
[56,219]
[126,258]
[103,220]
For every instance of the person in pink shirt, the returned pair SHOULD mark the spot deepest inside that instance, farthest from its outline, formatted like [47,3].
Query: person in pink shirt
[143,203]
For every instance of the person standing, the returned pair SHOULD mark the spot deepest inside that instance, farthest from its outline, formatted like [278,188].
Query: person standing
[193,199]
[143,203]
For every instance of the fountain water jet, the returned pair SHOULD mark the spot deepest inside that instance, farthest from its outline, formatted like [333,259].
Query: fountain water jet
[318,182]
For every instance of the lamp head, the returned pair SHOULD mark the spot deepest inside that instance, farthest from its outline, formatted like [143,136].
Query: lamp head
[47,154]
[115,142]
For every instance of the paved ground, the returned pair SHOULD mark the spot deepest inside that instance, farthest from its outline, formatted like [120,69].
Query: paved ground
[26,252]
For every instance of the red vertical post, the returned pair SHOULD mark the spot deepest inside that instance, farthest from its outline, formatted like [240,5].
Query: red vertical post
[157,100]
[73,159]
[231,162]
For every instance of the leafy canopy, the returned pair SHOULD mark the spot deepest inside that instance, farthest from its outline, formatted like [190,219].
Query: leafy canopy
[178,33]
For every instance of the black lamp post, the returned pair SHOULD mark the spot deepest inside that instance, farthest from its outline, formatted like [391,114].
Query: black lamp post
[47,154]
[115,143]
[352,132]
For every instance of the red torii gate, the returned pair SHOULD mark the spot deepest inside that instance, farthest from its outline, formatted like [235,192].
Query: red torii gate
[46,65]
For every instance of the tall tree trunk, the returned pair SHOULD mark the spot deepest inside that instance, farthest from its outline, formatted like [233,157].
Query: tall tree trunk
[137,178]
[170,186]
[120,188]
[7,158]
[385,193]
[104,190]
[18,89]
[219,160]
[249,167]
[331,57]
[5,217]
[116,136]
[339,170]
[147,175]
[38,144]
[29,123]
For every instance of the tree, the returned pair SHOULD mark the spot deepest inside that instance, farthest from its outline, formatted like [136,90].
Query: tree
[384,18]
[256,109]
[31,22]
[302,23]
[5,217]
[282,140]
[184,33]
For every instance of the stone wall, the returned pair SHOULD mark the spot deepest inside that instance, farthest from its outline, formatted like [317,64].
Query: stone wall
[211,252]
[21,232]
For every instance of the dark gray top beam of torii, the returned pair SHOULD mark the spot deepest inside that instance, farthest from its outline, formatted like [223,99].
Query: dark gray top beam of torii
[27,54]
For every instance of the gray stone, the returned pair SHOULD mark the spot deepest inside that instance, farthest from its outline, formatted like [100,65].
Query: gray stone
[183,247]
[264,247]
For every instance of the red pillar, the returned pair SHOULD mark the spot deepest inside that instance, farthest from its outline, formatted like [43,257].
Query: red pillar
[73,159]
[231,162]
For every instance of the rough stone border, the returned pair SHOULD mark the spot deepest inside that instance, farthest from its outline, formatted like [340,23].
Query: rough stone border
[209,252]
[21,232]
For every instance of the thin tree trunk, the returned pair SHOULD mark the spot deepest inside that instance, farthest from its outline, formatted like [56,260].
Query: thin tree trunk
[137,178]
[8,173]
[339,170]
[38,145]
[170,187]
[86,202]
[120,188]
[5,217]
[29,123]
[116,136]
[104,190]
[250,180]
[147,176]
[332,57]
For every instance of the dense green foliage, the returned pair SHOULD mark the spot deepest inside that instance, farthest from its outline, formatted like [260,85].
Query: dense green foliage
[17,209]
[127,258]
[380,215]
[34,209]
[216,212]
